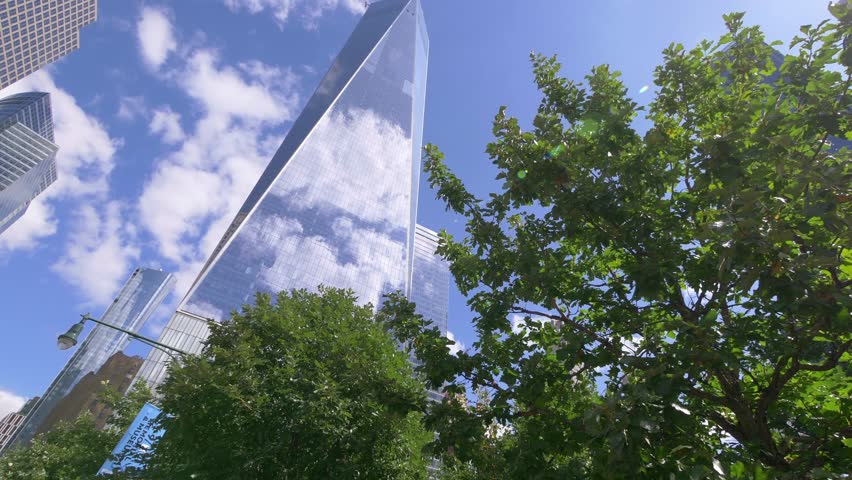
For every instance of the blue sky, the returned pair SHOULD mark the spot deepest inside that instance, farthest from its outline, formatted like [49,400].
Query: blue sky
[169,111]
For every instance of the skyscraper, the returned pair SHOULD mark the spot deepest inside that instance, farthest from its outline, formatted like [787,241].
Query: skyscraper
[337,202]
[37,32]
[117,372]
[430,285]
[143,292]
[27,153]
[12,421]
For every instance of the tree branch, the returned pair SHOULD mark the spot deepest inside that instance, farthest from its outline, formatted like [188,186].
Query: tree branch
[836,279]
[565,319]
[830,363]
[728,426]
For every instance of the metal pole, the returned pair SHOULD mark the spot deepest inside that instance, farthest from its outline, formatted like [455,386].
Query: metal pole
[159,346]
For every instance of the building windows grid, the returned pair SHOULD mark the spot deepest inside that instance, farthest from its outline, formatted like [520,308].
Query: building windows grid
[141,295]
[335,205]
[38,45]
[27,153]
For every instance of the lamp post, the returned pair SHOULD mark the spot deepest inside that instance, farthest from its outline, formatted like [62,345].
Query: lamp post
[69,338]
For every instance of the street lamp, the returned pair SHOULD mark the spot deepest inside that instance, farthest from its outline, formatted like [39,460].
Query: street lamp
[69,338]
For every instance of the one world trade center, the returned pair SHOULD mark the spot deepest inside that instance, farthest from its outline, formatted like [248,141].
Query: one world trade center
[337,203]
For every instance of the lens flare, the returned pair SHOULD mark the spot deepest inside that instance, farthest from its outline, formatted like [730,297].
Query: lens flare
[556,150]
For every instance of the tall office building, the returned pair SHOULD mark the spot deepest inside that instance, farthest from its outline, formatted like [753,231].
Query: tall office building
[430,286]
[430,283]
[27,153]
[117,372]
[34,33]
[11,422]
[337,203]
[137,300]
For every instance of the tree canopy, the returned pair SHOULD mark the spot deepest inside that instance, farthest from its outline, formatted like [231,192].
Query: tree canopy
[308,386]
[666,304]
[75,450]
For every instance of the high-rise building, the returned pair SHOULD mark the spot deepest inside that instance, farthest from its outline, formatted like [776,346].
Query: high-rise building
[337,202]
[34,33]
[117,372]
[27,153]
[430,286]
[137,300]
[430,283]
[12,421]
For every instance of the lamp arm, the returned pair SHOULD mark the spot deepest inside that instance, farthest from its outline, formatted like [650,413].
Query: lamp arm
[152,343]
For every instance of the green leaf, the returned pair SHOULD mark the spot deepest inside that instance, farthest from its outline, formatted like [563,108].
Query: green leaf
[726,187]
[326,380]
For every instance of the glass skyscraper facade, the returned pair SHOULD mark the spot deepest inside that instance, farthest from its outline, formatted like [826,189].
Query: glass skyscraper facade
[430,283]
[430,286]
[34,33]
[27,153]
[137,300]
[337,203]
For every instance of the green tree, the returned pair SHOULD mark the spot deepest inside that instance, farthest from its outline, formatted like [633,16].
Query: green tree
[700,271]
[75,450]
[309,386]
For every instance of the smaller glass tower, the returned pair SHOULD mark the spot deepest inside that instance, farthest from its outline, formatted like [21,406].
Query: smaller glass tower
[27,153]
[141,295]
[430,285]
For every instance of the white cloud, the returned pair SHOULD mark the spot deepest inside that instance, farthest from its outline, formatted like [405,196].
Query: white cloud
[171,217]
[100,257]
[309,10]
[378,147]
[631,346]
[366,272]
[85,157]
[521,326]
[37,223]
[130,108]
[355,244]
[455,347]
[9,402]
[84,163]
[255,92]
[518,322]
[166,123]
[155,35]
[196,189]
[690,295]
[317,8]
[214,170]
[157,322]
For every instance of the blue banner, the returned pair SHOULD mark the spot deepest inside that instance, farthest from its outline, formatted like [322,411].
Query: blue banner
[137,440]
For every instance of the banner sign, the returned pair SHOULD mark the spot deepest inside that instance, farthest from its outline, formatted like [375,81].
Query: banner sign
[136,440]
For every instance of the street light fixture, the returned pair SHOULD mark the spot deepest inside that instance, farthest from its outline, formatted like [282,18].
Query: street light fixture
[69,338]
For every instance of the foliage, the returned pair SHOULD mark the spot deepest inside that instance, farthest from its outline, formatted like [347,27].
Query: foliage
[699,272]
[75,450]
[309,386]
